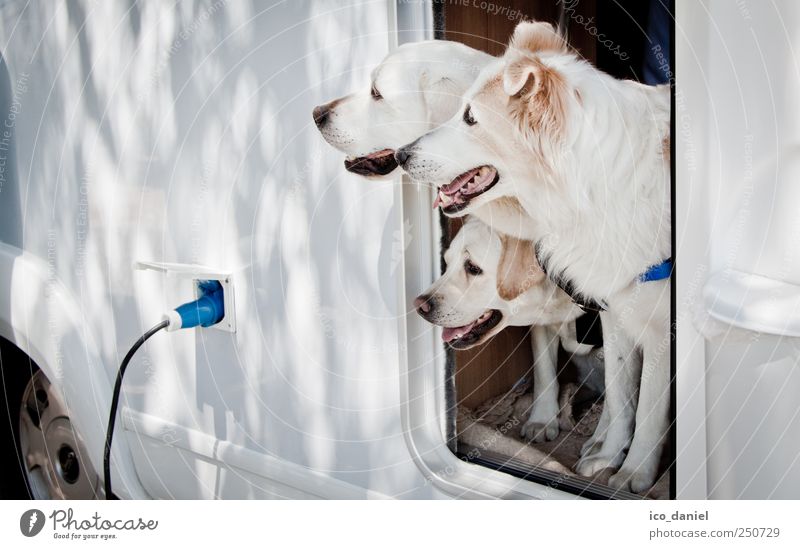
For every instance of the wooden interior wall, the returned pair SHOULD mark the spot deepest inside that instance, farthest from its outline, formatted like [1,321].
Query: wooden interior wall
[486,371]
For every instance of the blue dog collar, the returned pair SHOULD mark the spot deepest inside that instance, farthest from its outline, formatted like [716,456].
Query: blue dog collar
[657,272]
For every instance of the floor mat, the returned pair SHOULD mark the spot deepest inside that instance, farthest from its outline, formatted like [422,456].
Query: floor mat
[495,426]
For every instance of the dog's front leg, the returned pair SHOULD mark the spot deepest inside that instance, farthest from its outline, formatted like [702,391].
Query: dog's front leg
[639,471]
[595,442]
[615,429]
[542,424]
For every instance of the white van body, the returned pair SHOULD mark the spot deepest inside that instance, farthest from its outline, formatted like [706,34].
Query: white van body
[738,228]
[146,132]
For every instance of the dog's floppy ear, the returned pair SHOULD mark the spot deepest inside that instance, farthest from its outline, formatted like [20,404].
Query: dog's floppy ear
[525,77]
[529,37]
[539,101]
[520,77]
[518,270]
[535,37]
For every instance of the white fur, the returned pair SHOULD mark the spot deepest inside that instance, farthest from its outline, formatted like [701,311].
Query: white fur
[421,84]
[597,195]
[461,298]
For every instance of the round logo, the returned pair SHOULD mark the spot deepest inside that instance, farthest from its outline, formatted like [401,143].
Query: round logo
[31,522]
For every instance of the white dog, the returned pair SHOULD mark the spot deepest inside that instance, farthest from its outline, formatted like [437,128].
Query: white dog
[587,158]
[414,89]
[493,281]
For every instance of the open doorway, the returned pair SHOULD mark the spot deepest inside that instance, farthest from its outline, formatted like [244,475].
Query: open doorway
[490,385]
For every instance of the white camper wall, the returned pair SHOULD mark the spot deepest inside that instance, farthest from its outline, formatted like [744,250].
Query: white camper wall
[183,133]
[692,146]
[742,165]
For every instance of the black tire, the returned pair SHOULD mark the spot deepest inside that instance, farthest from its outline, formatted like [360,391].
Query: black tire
[16,370]
[43,455]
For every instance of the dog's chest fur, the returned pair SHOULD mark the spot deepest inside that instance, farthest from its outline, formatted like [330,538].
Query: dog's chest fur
[603,226]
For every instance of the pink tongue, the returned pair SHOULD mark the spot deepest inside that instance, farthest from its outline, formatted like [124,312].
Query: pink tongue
[459,182]
[449,334]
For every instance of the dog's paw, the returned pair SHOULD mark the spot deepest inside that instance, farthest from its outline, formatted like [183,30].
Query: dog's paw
[593,464]
[537,431]
[637,481]
[565,421]
[591,447]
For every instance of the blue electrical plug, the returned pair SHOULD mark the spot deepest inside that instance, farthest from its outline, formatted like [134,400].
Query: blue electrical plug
[205,311]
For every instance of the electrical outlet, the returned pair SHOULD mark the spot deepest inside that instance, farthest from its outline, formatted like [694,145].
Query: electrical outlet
[198,273]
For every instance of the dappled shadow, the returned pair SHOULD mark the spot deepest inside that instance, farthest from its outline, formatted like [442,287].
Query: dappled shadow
[183,134]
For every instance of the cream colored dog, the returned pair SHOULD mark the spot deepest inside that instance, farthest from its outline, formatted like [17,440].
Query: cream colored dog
[493,281]
[586,157]
[413,90]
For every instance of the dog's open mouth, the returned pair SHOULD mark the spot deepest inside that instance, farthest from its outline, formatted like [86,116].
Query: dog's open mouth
[457,194]
[378,163]
[468,335]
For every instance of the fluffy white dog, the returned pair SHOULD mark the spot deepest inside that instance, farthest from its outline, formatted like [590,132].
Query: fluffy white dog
[586,157]
[492,281]
[415,89]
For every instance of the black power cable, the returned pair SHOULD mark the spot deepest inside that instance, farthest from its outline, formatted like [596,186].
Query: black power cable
[112,418]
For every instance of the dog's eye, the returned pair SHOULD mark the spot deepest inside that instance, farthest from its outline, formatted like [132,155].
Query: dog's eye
[472,269]
[376,95]
[468,120]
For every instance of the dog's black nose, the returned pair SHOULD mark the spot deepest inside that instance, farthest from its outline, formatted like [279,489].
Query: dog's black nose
[424,305]
[402,156]
[321,114]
